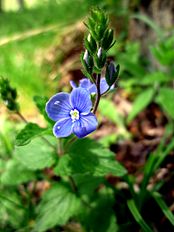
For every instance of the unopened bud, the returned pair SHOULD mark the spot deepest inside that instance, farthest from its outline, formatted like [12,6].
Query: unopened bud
[112,73]
[86,56]
[99,53]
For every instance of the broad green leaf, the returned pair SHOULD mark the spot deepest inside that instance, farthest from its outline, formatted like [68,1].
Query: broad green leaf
[88,157]
[35,155]
[165,99]
[30,131]
[11,202]
[101,211]
[158,198]
[140,103]
[137,216]
[87,183]
[57,206]
[15,173]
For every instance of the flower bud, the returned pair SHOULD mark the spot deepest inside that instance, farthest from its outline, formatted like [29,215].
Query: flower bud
[86,56]
[112,73]
[8,94]
[100,58]
[90,44]
[108,39]
[87,61]
[99,53]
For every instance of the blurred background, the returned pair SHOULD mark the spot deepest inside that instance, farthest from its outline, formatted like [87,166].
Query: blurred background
[40,46]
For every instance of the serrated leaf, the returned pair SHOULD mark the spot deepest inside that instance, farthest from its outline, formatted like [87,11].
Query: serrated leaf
[30,131]
[167,212]
[88,157]
[140,103]
[165,99]
[35,155]
[15,173]
[58,205]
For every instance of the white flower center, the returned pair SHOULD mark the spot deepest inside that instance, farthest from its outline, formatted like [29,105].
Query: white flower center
[74,115]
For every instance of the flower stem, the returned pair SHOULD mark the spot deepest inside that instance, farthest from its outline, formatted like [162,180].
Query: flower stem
[98,93]
[21,116]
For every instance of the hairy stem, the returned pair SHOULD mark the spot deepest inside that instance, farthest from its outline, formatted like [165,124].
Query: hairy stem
[97,100]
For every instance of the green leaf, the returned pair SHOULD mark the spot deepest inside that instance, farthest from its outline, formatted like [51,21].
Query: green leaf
[41,103]
[108,109]
[137,216]
[155,77]
[11,202]
[30,131]
[88,157]
[15,173]
[101,211]
[35,155]
[57,206]
[165,99]
[140,103]
[150,23]
[87,183]
[164,51]
[169,215]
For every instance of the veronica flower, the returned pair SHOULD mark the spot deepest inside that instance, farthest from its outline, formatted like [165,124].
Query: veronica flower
[72,113]
[87,84]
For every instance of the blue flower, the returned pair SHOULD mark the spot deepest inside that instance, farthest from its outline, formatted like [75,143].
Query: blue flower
[87,84]
[72,113]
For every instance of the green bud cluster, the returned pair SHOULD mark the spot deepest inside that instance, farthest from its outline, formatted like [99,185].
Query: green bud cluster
[97,42]
[8,94]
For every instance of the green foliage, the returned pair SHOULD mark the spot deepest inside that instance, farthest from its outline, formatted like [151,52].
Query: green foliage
[15,173]
[137,216]
[165,100]
[87,185]
[35,155]
[140,103]
[30,131]
[164,51]
[10,202]
[108,109]
[167,212]
[88,157]
[101,211]
[57,206]
[8,94]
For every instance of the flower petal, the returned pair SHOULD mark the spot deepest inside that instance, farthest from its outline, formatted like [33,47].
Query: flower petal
[63,128]
[80,100]
[58,106]
[85,83]
[73,84]
[93,89]
[103,85]
[86,125]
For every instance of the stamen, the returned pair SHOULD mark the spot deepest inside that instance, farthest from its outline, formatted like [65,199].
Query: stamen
[74,115]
